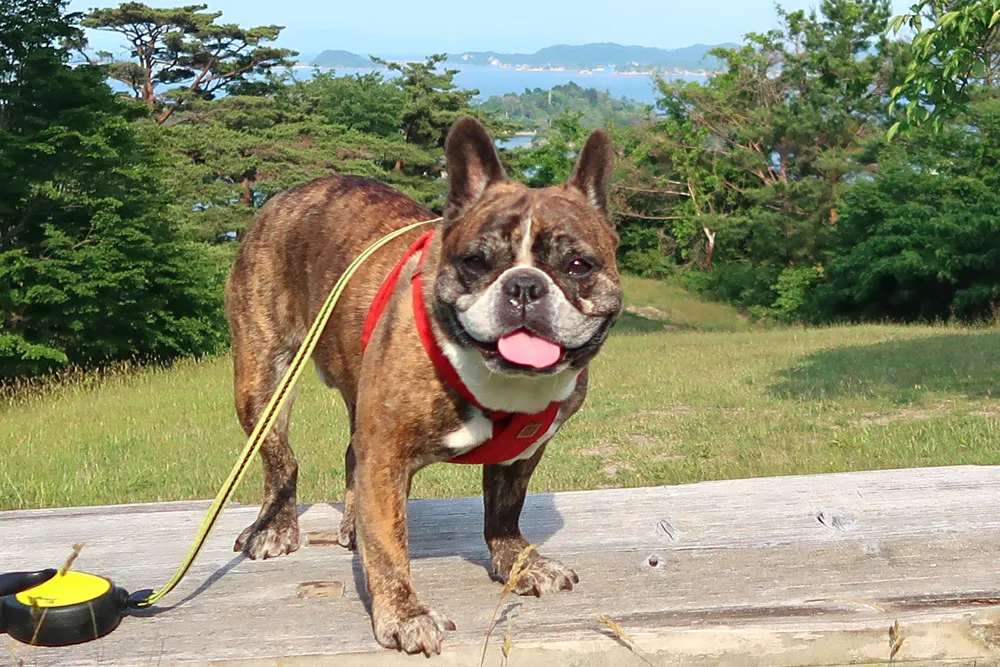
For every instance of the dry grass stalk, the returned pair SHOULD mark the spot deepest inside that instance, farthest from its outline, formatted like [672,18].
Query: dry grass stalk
[896,639]
[508,637]
[77,548]
[620,633]
[37,613]
[38,618]
[517,571]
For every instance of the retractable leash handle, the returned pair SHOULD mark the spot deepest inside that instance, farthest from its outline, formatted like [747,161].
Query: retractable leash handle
[53,608]
[15,582]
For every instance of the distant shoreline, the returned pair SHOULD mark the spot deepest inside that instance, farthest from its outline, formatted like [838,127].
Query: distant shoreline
[524,68]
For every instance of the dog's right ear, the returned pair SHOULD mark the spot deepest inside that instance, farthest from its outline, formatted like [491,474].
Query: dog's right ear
[473,164]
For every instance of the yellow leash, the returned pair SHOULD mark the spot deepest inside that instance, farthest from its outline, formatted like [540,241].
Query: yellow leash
[270,415]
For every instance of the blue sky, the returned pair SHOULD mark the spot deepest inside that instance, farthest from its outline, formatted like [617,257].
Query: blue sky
[395,27]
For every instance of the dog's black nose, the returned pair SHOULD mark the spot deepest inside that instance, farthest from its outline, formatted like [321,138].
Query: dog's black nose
[525,286]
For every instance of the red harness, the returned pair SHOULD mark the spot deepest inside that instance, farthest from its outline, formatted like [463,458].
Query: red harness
[513,433]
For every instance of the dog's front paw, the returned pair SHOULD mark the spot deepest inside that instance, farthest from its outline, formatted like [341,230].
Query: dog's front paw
[544,575]
[412,628]
[267,540]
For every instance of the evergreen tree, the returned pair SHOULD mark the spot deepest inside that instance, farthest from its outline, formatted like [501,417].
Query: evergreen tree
[432,102]
[538,109]
[921,240]
[90,267]
[184,50]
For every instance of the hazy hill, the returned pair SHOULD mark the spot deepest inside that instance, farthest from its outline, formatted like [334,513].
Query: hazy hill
[614,56]
[338,58]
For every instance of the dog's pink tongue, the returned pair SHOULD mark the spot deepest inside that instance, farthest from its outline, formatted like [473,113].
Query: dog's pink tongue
[528,349]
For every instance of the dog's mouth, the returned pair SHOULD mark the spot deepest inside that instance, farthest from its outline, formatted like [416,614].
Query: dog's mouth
[520,350]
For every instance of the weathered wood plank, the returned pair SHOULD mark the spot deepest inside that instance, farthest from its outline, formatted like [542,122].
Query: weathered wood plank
[783,571]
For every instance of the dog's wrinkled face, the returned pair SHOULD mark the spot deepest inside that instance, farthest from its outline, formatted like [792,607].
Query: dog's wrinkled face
[527,276]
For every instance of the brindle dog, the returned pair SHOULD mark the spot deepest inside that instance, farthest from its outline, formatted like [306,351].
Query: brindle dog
[521,288]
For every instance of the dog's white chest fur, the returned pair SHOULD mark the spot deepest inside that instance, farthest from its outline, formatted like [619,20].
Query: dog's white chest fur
[472,433]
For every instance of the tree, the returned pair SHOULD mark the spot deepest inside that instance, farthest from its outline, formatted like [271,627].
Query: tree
[750,165]
[956,46]
[368,103]
[921,240]
[185,50]
[552,161]
[536,109]
[234,153]
[91,269]
[432,102]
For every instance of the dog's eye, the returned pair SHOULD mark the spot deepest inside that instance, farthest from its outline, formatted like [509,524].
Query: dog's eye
[579,267]
[475,264]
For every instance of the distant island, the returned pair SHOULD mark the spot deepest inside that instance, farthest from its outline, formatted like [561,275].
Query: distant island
[606,57]
[339,58]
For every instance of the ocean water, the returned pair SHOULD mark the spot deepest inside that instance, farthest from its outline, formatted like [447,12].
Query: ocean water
[497,81]
[517,141]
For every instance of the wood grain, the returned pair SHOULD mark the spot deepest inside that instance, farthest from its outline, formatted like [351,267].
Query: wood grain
[809,570]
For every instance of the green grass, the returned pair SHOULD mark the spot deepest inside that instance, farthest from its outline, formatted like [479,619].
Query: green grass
[665,407]
[651,304]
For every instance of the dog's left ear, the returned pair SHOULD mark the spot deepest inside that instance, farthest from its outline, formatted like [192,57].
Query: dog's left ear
[473,164]
[593,171]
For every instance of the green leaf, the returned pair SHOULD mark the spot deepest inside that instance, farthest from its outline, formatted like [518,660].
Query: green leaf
[947,19]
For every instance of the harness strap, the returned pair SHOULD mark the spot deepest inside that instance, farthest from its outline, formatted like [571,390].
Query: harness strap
[513,433]
[388,286]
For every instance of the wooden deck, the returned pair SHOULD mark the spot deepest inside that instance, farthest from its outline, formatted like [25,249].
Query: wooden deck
[780,571]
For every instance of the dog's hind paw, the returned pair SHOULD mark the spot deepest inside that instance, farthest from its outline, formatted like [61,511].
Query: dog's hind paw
[417,630]
[267,541]
[544,575]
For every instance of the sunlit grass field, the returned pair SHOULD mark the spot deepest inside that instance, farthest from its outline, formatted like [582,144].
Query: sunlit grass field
[683,391]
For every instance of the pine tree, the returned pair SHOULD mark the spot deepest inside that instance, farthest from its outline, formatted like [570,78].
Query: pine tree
[186,51]
[91,269]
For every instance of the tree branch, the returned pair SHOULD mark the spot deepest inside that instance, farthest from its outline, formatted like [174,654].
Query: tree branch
[640,216]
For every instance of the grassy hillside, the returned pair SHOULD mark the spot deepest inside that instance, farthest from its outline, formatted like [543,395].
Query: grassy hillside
[666,406]
[654,305]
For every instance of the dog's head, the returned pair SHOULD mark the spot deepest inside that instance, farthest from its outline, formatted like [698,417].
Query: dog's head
[527,276]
